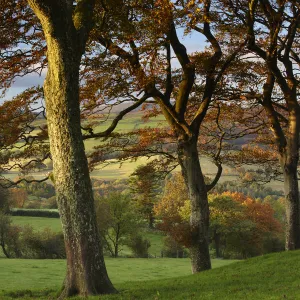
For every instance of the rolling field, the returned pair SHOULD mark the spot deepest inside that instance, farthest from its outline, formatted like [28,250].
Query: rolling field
[34,274]
[114,170]
[269,277]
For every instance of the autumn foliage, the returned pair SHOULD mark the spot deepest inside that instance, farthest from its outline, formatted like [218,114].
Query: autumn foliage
[239,225]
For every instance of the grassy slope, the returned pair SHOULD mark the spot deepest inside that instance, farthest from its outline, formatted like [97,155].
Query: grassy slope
[273,276]
[30,274]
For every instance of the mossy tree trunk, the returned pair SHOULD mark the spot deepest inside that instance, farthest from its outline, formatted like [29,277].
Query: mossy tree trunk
[66,31]
[199,220]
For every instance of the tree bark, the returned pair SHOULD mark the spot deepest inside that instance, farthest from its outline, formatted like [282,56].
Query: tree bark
[151,221]
[86,271]
[199,220]
[289,163]
[217,239]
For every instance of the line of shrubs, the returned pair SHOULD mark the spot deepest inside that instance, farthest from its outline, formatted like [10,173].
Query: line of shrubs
[25,242]
[44,213]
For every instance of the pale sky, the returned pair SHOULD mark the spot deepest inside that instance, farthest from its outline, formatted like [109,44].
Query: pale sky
[193,42]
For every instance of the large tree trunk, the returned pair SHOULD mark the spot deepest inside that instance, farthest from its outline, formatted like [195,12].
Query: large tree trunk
[86,271]
[199,220]
[289,163]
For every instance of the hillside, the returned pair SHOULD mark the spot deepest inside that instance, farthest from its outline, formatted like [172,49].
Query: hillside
[273,276]
[114,170]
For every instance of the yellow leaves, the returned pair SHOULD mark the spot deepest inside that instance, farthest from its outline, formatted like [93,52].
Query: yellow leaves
[185,210]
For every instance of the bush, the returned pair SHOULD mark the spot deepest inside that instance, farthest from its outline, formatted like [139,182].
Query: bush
[50,203]
[139,246]
[43,244]
[46,213]
[9,237]
[24,242]
[33,204]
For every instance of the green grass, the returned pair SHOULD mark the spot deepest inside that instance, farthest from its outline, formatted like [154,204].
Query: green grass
[54,224]
[20,274]
[274,276]
[269,277]
[38,223]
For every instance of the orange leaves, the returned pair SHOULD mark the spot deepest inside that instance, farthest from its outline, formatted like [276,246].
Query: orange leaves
[235,217]
[22,47]
[262,214]
[18,197]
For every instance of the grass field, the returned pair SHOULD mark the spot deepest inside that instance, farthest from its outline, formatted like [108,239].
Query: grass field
[48,274]
[38,223]
[269,277]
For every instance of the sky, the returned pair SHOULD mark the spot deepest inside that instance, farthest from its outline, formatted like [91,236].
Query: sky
[193,42]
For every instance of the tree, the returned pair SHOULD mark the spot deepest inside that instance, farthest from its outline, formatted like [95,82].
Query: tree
[273,36]
[18,197]
[174,211]
[239,224]
[183,94]
[227,218]
[66,26]
[144,183]
[118,219]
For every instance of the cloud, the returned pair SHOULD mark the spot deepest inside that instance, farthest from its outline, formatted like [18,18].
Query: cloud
[28,81]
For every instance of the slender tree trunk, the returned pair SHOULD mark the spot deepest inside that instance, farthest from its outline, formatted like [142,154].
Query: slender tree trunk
[199,220]
[289,164]
[116,251]
[4,251]
[151,221]
[217,244]
[86,271]
[289,158]
[288,149]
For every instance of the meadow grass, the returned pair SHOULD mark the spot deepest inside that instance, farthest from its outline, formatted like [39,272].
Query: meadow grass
[269,277]
[32,274]
[273,276]
[38,223]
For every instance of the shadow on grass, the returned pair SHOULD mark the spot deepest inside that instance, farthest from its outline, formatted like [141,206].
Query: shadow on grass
[31,294]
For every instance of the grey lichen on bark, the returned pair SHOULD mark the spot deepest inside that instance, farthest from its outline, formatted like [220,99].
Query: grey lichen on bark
[86,271]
